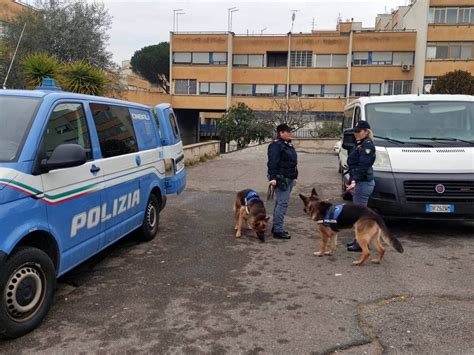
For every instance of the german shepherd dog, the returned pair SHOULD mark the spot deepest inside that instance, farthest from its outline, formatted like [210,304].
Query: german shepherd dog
[369,227]
[252,211]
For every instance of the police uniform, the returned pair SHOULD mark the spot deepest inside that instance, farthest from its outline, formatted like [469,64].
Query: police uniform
[282,167]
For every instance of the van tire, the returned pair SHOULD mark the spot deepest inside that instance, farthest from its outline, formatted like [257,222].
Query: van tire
[151,219]
[27,285]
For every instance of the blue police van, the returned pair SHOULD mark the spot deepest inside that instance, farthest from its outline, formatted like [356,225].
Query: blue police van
[77,173]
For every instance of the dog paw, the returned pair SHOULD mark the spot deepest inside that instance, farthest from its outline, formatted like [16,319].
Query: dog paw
[238,235]
[328,253]
[318,253]
[357,263]
[376,261]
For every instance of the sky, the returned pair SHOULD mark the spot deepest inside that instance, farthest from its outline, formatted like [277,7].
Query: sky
[138,23]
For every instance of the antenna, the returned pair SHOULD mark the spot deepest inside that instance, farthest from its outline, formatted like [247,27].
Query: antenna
[312,25]
[293,17]
[13,58]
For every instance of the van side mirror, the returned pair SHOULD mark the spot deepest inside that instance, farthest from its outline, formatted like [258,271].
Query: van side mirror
[348,139]
[64,156]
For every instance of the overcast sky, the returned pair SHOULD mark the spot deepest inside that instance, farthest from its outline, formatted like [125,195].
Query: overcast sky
[138,23]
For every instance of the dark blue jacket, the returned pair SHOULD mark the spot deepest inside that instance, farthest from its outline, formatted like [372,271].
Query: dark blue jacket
[360,161]
[282,160]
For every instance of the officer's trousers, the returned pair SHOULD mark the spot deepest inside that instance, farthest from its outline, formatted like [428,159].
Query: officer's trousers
[281,206]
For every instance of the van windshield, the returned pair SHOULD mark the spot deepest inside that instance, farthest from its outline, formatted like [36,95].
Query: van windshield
[16,114]
[443,121]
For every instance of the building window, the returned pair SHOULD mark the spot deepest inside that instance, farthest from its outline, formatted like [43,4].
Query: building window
[248,60]
[280,90]
[397,87]
[185,87]
[400,58]
[449,50]
[331,60]
[294,90]
[201,58]
[365,89]
[360,58]
[334,91]
[182,57]
[212,88]
[311,91]
[277,59]
[451,15]
[428,84]
[381,58]
[219,58]
[301,59]
[242,89]
[264,90]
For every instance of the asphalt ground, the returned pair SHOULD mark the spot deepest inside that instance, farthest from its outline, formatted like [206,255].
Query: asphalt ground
[198,289]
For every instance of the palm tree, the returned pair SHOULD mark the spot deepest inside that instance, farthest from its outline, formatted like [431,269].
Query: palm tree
[82,77]
[37,66]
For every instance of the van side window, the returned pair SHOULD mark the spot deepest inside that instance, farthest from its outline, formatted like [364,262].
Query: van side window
[357,115]
[174,125]
[115,130]
[67,124]
[347,122]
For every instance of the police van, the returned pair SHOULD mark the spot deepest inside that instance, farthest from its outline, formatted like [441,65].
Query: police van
[425,154]
[77,173]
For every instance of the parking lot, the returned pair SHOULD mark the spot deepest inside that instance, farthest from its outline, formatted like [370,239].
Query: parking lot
[196,288]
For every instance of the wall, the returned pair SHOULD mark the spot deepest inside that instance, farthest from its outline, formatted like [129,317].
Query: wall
[146,97]
[9,9]
[194,152]
[313,145]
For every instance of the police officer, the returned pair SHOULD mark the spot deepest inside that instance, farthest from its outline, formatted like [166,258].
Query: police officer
[360,161]
[282,173]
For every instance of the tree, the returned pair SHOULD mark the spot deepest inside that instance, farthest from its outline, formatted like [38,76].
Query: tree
[153,63]
[456,82]
[82,77]
[295,114]
[71,31]
[37,66]
[240,124]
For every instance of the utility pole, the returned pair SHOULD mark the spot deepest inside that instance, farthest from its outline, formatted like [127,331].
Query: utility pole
[176,13]
[230,11]
[293,17]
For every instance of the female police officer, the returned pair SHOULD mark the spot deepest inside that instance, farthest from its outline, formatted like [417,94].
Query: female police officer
[360,161]
[282,173]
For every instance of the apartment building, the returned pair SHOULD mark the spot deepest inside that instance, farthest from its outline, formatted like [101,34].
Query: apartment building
[318,72]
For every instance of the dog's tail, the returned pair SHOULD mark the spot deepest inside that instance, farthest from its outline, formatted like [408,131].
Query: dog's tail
[387,237]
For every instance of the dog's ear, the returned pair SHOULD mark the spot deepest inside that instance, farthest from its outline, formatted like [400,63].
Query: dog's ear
[304,198]
[314,193]
[267,219]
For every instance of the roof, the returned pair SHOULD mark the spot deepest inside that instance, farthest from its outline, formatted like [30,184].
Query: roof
[404,98]
[58,95]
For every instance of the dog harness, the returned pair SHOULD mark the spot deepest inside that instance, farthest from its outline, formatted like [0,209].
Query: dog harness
[251,195]
[331,216]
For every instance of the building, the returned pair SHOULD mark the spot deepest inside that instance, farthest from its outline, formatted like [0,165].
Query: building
[9,9]
[318,72]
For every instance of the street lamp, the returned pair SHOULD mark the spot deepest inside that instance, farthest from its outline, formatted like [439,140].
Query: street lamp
[230,11]
[176,13]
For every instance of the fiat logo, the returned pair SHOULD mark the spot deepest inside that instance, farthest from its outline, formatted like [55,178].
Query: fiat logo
[440,188]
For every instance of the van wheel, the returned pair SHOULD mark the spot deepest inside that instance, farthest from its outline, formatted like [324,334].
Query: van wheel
[27,283]
[151,219]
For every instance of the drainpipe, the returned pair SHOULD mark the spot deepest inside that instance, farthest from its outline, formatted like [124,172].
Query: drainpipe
[349,67]
[230,37]
[288,76]
[171,65]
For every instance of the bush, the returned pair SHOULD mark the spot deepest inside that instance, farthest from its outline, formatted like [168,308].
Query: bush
[457,82]
[329,129]
[37,66]
[82,77]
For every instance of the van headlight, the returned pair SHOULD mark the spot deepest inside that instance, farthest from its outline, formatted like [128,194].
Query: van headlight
[382,161]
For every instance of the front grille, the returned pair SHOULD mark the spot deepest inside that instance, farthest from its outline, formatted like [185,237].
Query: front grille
[455,191]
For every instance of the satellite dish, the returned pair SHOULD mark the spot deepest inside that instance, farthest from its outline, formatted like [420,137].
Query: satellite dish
[428,88]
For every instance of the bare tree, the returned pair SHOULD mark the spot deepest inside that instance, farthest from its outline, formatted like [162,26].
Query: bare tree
[294,113]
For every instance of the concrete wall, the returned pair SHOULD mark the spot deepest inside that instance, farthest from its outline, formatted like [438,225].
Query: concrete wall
[312,145]
[194,152]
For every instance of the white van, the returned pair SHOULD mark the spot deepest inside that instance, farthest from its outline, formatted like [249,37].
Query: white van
[425,154]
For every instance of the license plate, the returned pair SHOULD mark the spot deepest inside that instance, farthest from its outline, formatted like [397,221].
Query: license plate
[429,208]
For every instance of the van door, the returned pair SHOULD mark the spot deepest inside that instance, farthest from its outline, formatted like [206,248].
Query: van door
[120,165]
[73,195]
[172,148]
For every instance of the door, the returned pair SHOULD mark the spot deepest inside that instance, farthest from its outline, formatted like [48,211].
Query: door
[73,195]
[121,167]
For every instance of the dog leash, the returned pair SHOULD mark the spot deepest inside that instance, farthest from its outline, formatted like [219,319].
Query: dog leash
[270,192]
